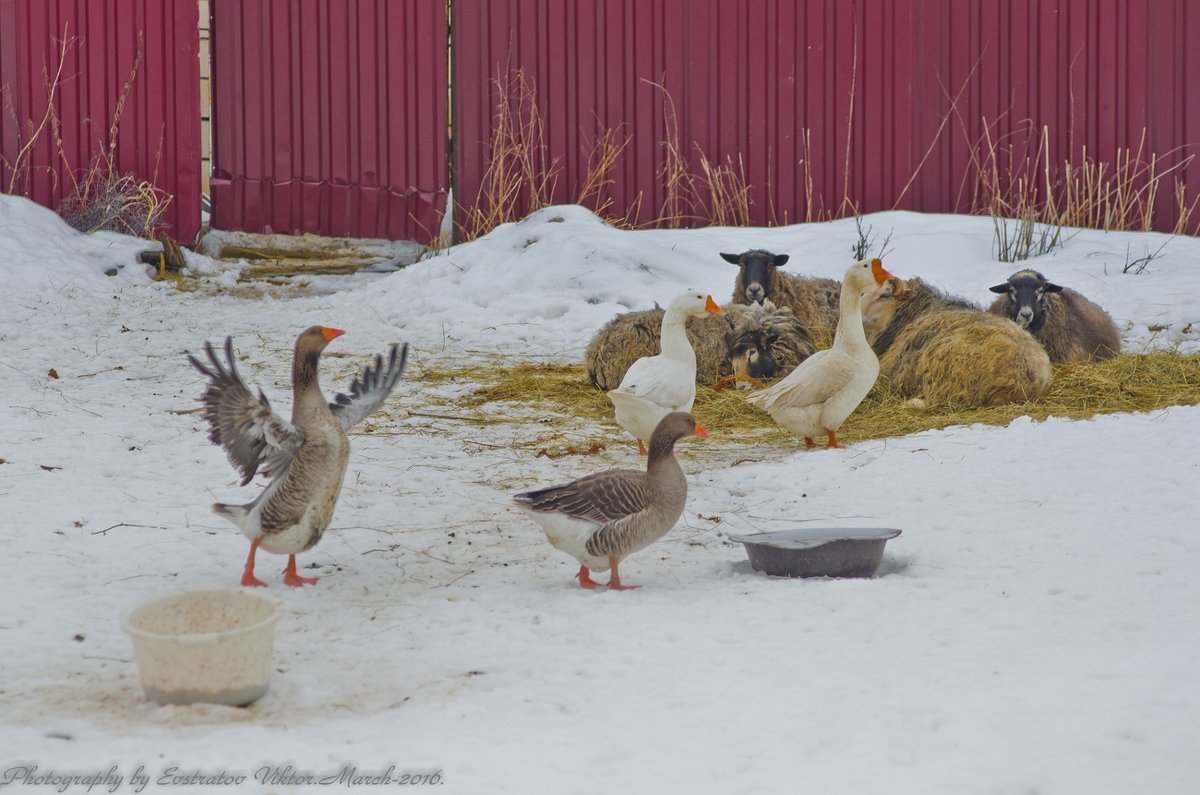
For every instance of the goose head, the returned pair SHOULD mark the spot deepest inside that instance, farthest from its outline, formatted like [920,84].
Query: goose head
[314,339]
[693,303]
[309,345]
[675,426]
[865,276]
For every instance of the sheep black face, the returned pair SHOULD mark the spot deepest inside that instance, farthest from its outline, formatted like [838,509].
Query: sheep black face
[1026,290]
[757,271]
[750,354]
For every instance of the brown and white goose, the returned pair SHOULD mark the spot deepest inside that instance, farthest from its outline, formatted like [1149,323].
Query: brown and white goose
[305,459]
[603,518]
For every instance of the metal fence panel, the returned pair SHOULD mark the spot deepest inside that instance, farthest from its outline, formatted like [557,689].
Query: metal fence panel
[330,116]
[158,137]
[887,103]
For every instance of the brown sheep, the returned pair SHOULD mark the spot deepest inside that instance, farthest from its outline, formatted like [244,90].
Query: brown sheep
[777,339]
[948,352]
[813,300]
[1069,326]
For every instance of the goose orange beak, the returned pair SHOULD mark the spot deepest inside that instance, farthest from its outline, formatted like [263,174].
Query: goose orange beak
[879,272]
[711,306]
[703,434]
[330,333]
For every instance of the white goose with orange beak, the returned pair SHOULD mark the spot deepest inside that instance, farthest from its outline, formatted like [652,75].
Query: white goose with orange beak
[817,397]
[655,386]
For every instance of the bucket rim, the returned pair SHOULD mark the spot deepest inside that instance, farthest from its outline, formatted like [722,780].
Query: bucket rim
[138,632]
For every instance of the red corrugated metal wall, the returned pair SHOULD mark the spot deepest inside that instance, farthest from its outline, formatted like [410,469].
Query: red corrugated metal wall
[330,116]
[883,101]
[159,135]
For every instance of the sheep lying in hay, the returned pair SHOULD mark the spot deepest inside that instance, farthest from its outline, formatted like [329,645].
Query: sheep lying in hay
[755,341]
[946,351]
[764,341]
[814,301]
[1069,326]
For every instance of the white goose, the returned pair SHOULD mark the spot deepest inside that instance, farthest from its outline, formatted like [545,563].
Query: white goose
[818,396]
[305,459]
[655,386]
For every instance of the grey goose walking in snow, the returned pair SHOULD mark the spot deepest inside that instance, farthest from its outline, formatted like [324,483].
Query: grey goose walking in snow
[304,459]
[603,518]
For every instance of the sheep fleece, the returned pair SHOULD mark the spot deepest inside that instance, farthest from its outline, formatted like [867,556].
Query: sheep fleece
[966,358]
[814,301]
[1074,330]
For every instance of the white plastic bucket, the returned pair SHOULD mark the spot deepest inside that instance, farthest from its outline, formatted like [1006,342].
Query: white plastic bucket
[210,646]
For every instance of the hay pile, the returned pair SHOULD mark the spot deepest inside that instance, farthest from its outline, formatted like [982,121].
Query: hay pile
[1129,382]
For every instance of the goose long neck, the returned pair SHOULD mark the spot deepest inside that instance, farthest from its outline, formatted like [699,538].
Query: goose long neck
[675,343]
[662,461]
[306,392]
[850,334]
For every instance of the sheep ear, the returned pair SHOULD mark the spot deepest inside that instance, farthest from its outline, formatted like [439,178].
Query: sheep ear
[734,258]
[729,340]
[1051,287]
[772,339]
[1000,288]
[780,259]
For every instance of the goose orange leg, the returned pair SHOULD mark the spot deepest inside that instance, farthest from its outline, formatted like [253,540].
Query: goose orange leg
[808,442]
[641,448]
[290,577]
[248,578]
[833,439]
[614,582]
[585,578]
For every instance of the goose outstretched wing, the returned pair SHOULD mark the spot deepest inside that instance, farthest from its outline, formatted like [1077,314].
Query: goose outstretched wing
[369,390]
[254,437]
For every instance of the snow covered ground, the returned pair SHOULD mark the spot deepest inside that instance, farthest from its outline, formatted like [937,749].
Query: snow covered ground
[1035,628]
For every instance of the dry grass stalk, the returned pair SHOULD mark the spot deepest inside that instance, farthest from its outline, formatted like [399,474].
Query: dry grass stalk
[679,190]
[1183,208]
[728,192]
[519,177]
[951,112]
[103,198]
[1032,195]
[806,166]
[853,209]
[603,155]
[719,194]
[19,168]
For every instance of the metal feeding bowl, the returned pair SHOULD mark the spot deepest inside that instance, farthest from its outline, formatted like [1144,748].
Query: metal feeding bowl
[818,551]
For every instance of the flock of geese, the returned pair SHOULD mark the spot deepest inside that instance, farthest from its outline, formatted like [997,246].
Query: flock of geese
[599,519]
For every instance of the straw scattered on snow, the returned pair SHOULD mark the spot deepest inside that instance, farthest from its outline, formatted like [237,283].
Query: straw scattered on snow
[1127,383]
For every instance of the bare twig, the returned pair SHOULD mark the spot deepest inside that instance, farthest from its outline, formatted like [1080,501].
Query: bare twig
[126,524]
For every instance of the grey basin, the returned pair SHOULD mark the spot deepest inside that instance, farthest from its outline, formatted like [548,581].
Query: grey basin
[818,551]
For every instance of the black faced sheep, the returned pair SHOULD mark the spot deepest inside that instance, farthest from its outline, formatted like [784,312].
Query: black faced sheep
[814,301]
[1069,326]
[764,341]
[948,352]
[755,341]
